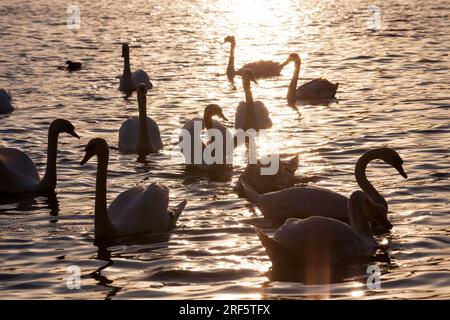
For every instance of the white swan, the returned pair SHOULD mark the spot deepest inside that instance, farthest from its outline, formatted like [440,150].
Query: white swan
[261,183]
[129,81]
[6,104]
[192,144]
[18,172]
[261,69]
[303,202]
[318,241]
[317,89]
[136,210]
[140,134]
[251,114]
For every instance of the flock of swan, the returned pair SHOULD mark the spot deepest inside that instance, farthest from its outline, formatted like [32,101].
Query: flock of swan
[320,224]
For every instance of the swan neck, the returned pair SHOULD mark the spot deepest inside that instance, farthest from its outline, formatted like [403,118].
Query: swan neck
[230,67]
[143,140]
[207,120]
[363,182]
[126,65]
[291,96]
[48,183]
[103,226]
[358,220]
[250,116]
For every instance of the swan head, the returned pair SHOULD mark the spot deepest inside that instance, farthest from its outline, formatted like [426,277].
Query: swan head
[125,50]
[247,76]
[94,147]
[293,57]
[214,110]
[229,39]
[141,90]
[63,125]
[68,62]
[392,158]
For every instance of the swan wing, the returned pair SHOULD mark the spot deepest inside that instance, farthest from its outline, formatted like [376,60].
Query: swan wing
[154,135]
[129,135]
[192,137]
[321,240]
[303,202]
[316,89]
[140,76]
[17,171]
[141,210]
[262,68]
[239,118]
[262,116]
[6,104]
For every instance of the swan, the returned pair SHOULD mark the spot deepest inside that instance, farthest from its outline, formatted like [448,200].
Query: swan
[251,114]
[140,134]
[18,172]
[6,104]
[136,210]
[284,178]
[190,148]
[73,66]
[317,89]
[261,69]
[304,202]
[319,240]
[129,81]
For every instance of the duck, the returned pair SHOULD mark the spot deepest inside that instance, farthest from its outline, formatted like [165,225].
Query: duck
[190,139]
[317,241]
[264,183]
[251,114]
[261,69]
[317,89]
[140,134]
[19,173]
[73,66]
[6,104]
[304,202]
[129,81]
[137,210]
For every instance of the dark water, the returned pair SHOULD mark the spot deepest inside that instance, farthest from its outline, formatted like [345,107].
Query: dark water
[394,91]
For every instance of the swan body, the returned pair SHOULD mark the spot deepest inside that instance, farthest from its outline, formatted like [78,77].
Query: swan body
[73,66]
[134,211]
[6,105]
[317,89]
[260,69]
[141,134]
[18,172]
[322,240]
[194,139]
[262,183]
[251,114]
[130,80]
[303,202]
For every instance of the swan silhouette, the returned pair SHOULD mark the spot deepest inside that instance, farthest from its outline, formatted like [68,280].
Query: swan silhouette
[6,104]
[261,69]
[251,114]
[18,172]
[304,202]
[316,240]
[317,89]
[140,134]
[134,211]
[190,148]
[129,81]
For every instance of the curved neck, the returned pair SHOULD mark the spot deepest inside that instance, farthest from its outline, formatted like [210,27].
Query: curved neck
[48,182]
[363,182]
[143,140]
[358,220]
[103,226]
[291,95]
[250,116]
[230,68]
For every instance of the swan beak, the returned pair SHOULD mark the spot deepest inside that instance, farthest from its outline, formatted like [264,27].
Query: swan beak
[223,116]
[254,81]
[401,171]
[74,134]
[86,158]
